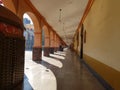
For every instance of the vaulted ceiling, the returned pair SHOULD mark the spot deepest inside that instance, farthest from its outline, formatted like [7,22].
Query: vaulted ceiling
[63,15]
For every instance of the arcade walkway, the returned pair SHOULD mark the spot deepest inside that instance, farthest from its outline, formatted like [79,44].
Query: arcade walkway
[60,71]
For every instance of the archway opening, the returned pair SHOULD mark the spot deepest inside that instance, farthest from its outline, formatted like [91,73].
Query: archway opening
[29,36]
[29,32]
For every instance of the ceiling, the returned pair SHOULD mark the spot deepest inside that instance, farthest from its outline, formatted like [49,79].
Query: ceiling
[63,15]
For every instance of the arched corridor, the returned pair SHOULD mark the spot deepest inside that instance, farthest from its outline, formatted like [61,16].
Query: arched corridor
[75,45]
[56,72]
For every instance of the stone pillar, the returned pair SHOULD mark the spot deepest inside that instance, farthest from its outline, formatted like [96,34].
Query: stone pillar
[58,43]
[46,51]
[55,40]
[47,42]
[37,48]
[37,52]
[51,42]
[46,47]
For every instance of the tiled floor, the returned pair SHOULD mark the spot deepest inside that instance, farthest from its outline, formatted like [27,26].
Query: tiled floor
[60,71]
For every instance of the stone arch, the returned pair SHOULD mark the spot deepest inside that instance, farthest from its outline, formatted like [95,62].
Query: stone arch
[37,29]
[19,7]
[37,47]
[35,16]
[36,24]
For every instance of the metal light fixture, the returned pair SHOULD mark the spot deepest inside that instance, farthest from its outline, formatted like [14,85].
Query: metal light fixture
[60,15]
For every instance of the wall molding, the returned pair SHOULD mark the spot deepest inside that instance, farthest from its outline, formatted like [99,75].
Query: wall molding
[108,77]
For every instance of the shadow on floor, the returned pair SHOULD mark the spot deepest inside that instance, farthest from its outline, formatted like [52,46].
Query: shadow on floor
[73,75]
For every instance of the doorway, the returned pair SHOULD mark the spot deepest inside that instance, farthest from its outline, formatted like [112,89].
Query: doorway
[81,48]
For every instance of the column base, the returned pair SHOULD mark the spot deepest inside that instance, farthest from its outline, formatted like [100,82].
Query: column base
[60,48]
[52,50]
[37,54]
[56,49]
[46,51]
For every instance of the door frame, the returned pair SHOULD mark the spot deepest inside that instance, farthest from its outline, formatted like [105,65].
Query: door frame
[82,41]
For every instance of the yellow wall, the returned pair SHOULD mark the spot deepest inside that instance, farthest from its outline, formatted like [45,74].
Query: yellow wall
[103,32]
[102,45]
